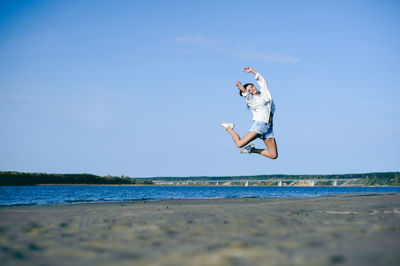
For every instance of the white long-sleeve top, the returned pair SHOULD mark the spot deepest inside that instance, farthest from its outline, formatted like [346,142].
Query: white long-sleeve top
[261,104]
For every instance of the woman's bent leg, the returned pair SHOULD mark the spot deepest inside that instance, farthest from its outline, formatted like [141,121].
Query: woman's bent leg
[241,142]
[271,151]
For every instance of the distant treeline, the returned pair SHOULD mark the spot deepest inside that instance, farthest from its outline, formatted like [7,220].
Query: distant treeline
[384,178]
[16,178]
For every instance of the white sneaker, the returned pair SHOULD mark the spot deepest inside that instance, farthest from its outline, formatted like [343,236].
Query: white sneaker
[247,149]
[227,125]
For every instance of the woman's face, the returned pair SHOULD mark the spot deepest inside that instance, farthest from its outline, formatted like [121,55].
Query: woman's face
[253,90]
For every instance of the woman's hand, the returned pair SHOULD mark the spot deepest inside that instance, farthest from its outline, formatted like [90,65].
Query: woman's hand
[240,87]
[249,69]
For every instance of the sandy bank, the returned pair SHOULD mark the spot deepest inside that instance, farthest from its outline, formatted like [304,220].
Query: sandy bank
[337,230]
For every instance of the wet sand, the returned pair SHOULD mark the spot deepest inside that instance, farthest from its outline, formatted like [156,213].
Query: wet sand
[362,229]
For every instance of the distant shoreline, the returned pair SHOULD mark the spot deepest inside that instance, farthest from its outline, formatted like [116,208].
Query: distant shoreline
[11,178]
[171,185]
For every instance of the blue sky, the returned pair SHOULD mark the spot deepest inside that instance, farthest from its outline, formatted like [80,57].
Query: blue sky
[139,88]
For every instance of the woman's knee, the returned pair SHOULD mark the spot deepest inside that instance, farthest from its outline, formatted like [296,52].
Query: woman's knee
[274,155]
[240,144]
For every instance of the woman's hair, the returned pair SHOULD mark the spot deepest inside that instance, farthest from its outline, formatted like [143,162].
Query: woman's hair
[245,86]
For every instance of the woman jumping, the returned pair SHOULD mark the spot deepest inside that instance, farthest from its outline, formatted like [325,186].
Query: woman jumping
[263,107]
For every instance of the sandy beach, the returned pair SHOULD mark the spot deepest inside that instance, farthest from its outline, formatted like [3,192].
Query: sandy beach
[362,229]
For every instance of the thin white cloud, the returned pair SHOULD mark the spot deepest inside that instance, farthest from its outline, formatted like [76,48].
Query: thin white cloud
[263,57]
[216,47]
[198,39]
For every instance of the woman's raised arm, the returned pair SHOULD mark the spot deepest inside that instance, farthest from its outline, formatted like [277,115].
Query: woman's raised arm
[240,87]
[261,81]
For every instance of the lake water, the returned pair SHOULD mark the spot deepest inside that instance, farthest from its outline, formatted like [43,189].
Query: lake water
[53,195]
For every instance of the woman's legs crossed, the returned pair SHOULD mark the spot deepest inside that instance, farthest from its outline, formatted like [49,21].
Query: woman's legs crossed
[241,142]
[271,151]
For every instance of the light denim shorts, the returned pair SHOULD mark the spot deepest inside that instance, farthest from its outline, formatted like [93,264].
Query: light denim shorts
[266,130]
